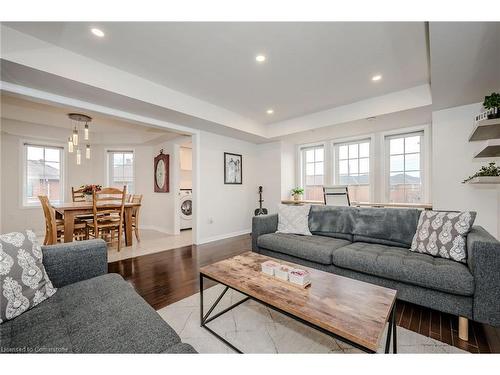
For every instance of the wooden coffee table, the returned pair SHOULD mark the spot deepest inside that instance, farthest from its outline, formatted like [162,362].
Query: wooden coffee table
[349,310]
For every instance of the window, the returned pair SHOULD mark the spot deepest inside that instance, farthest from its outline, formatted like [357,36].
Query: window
[42,174]
[313,172]
[352,168]
[405,168]
[121,169]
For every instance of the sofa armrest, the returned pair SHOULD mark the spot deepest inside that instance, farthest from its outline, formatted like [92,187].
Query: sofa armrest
[263,224]
[76,261]
[483,253]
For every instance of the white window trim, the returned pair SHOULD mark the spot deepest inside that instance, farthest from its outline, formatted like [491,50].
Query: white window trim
[107,151]
[356,139]
[425,158]
[300,173]
[23,165]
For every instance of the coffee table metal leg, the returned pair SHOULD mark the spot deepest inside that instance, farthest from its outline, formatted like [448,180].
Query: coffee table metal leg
[394,335]
[201,300]
[389,333]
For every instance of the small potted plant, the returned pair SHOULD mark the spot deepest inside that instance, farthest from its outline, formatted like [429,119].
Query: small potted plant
[87,191]
[297,193]
[492,101]
[486,171]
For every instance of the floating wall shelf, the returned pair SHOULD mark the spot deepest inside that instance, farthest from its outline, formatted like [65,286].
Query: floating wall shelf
[491,149]
[486,129]
[485,180]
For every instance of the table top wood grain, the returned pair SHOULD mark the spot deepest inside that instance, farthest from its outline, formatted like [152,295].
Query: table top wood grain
[68,206]
[349,308]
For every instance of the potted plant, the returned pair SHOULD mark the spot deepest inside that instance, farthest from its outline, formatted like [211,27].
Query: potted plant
[486,171]
[87,191]
[297,193]
[492,101]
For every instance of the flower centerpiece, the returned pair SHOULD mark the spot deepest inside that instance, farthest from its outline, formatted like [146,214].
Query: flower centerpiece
[297,193]
[87,191]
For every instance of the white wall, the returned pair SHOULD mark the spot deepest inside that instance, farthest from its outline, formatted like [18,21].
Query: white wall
[453,162]
[225,210]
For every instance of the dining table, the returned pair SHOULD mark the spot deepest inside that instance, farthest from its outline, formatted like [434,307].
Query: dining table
[68,211]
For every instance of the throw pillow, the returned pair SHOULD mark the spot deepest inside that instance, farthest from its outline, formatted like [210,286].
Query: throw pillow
[23,280]
[443,234]
[293,219]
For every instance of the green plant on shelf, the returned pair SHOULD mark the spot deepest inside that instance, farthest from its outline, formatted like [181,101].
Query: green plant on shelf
[297,191]
[492,101]
[486,171]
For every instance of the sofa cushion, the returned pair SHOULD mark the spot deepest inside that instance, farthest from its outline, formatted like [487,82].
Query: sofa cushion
[386,226]
[403,265]
[23,280]
[293,219]
[317,249]
[101,315]
[332,221]
[443,234]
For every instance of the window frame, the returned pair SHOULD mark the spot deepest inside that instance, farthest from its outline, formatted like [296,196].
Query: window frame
[423,160]
[335,144]
[302,162]
[108,159]
[23,180]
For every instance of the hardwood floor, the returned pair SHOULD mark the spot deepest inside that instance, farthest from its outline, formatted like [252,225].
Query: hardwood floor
[169,276]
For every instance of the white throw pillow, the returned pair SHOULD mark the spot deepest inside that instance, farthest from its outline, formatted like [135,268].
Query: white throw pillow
[293,219]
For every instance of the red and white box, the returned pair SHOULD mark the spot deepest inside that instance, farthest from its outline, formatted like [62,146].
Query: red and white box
[282,272]
[299,277]
[269,267]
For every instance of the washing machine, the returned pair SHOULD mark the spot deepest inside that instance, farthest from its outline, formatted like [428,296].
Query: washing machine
[186,208]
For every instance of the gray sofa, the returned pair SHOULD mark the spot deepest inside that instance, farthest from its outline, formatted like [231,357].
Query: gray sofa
[91,312]
[372,245]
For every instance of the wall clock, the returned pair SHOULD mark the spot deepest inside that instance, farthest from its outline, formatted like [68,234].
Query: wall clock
[161,173]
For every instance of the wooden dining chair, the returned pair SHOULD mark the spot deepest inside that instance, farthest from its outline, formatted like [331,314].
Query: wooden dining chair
[136,198]
[107,219]
[54,228]
[77,194]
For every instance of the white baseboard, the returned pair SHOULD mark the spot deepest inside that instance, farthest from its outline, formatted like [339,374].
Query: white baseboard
[223,236]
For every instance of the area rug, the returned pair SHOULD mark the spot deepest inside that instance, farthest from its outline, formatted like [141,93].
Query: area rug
[254,328]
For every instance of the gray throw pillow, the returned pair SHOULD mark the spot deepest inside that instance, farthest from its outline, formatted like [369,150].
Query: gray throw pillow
[443,234]
[293,219]
[23,280]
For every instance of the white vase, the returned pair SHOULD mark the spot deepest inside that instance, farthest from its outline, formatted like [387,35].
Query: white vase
[88,198]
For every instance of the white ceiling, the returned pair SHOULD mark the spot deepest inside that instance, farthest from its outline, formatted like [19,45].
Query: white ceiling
[310,66]
[54,123]
[465,62]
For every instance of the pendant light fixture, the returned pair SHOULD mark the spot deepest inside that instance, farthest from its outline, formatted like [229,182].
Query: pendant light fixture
[73,140]
[78,156]
[75,136]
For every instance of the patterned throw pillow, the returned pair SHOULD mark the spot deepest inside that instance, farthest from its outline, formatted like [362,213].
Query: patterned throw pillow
[293,219]
[23,280]
[443,234]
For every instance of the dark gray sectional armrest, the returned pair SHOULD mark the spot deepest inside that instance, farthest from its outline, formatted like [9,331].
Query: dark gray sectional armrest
[261,225]
[76,261]
[483,252]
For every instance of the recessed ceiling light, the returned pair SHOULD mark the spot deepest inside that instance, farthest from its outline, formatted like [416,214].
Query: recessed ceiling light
[260,58]
[377,77]
[270,111]
[97,32]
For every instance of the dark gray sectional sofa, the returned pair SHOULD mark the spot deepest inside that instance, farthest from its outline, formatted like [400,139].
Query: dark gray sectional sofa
[91,312]
[372,245]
